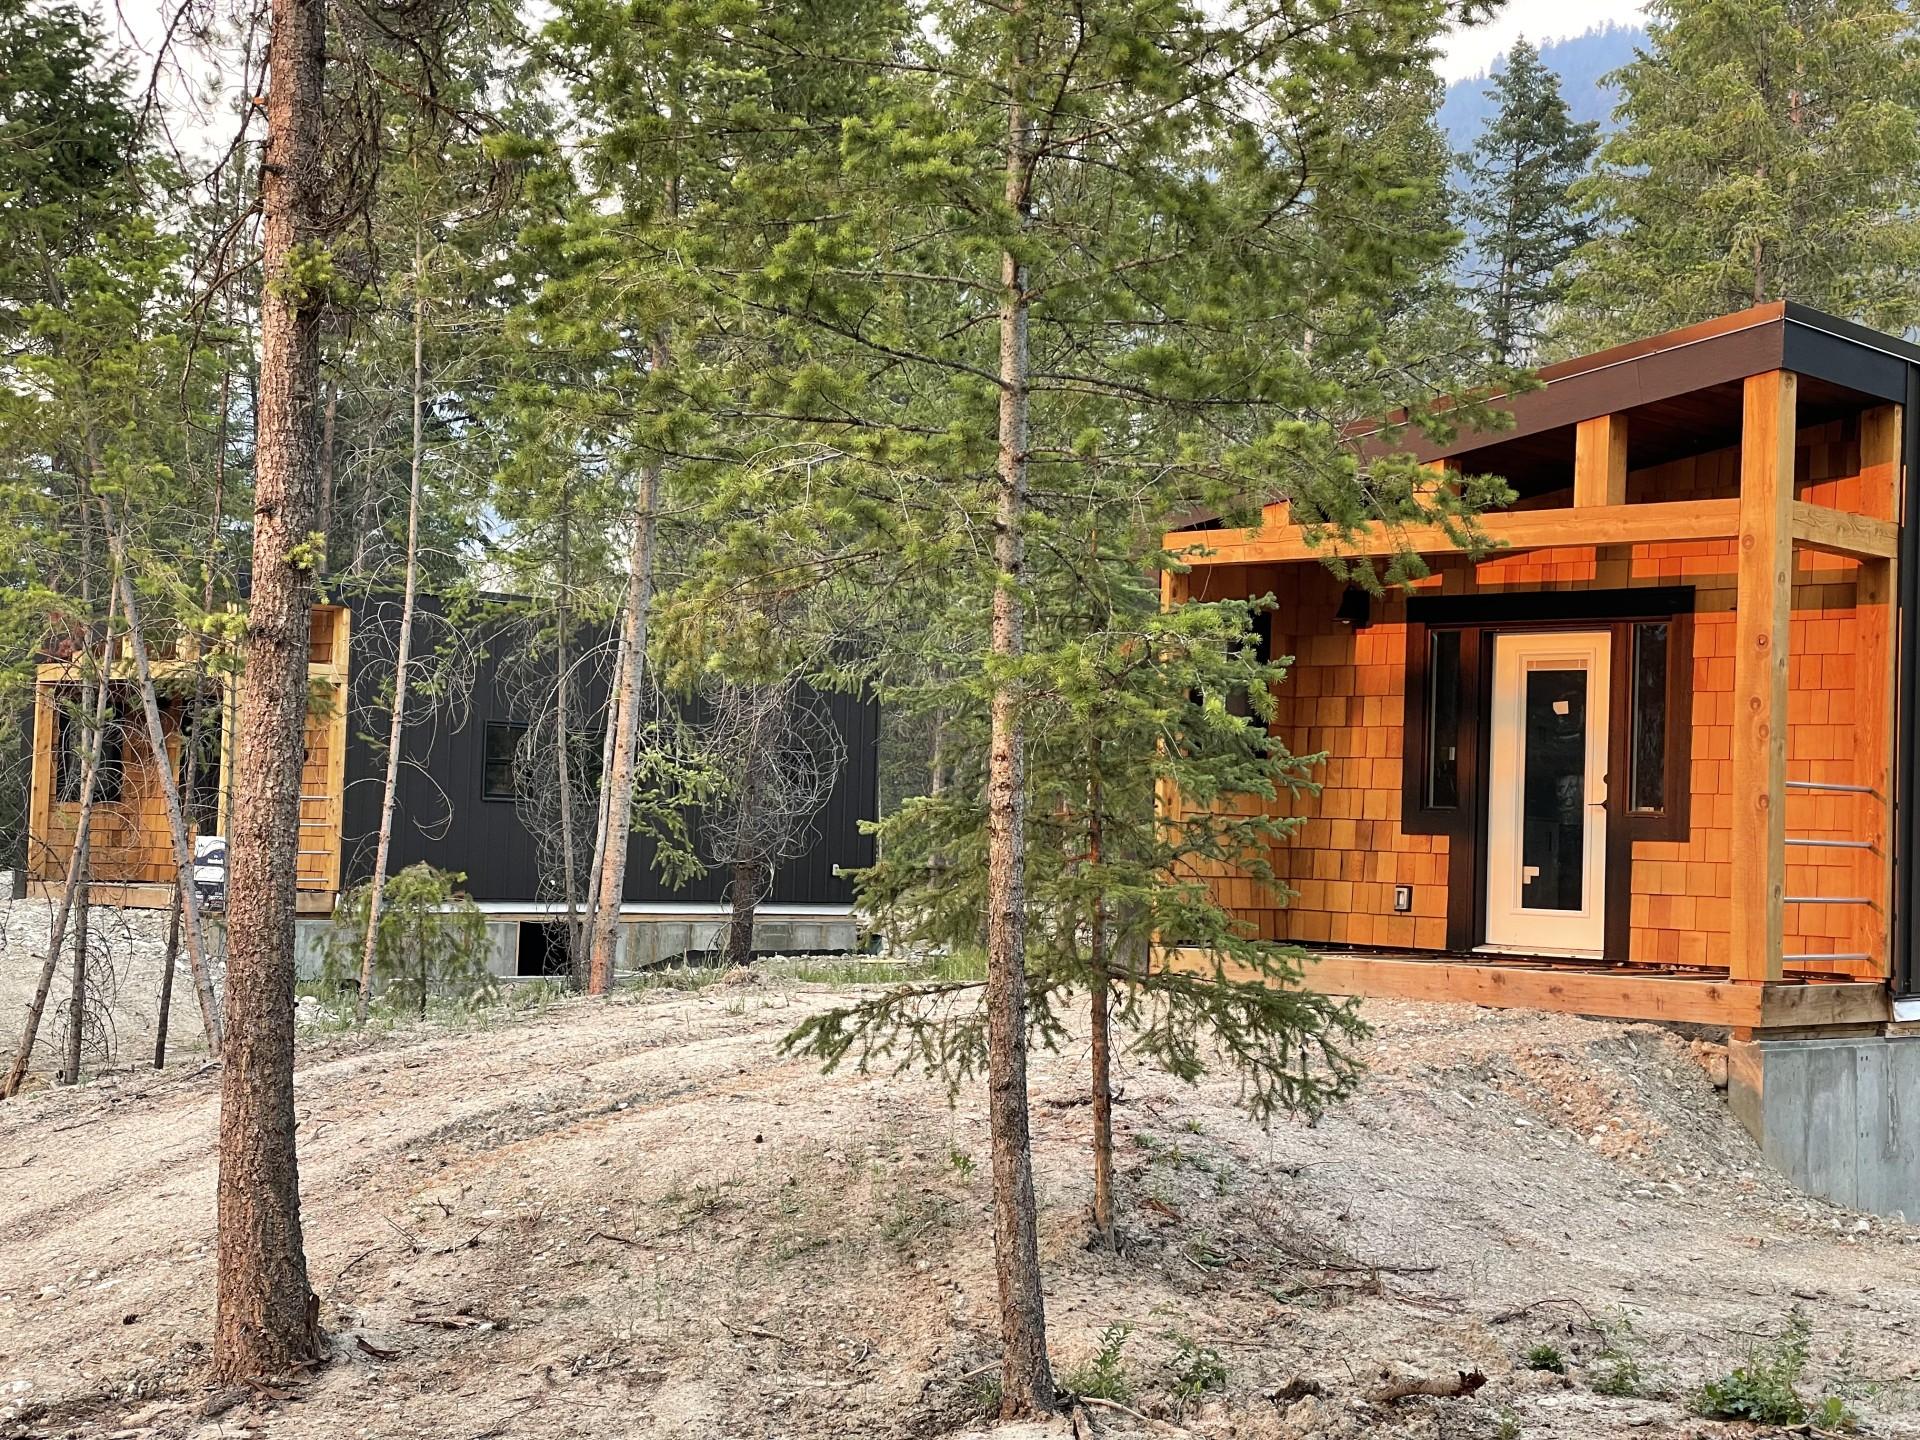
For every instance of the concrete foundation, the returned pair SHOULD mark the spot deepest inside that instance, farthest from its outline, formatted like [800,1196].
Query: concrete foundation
[1840,1117]
[645,941]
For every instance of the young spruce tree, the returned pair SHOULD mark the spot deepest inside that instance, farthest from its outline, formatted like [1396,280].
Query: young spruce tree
[1519,204]
[1087,269]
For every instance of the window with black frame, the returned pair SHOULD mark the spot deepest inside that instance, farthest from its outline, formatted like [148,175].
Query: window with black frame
[502,740]
[1443,720]
[73,733]
[1648,716]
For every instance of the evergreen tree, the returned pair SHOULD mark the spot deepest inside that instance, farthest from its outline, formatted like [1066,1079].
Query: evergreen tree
[1767,150]
[1081,272]
[1518,202]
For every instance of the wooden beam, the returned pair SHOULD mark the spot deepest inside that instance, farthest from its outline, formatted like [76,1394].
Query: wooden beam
[1876,631]
[1838,532]
[1613,994]
[1600,461]
[1763,607]
[1667,520]
[46,732]
[1847,1003]
[1880,462]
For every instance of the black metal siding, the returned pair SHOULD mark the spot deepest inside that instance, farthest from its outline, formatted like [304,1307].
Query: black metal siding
[442,819]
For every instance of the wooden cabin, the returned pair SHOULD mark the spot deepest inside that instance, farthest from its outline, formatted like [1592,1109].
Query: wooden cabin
[132,860]
[1651,755]
[459,802]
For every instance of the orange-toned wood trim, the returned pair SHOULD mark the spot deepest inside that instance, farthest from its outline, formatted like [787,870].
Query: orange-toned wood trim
[40,804]
[337,785]
[1765,593]
[1880,462]
[1600,461]
[1666,520]
[132,894]
[1876,630]
[1837,532]
[1620,994]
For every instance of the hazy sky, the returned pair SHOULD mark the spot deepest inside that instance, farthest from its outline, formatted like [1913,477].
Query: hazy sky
[1469,51]
[1472,50]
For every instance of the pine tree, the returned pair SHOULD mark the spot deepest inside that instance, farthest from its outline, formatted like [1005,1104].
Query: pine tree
[1071,283]
[1766,150]
[267,1320]
[1519,204]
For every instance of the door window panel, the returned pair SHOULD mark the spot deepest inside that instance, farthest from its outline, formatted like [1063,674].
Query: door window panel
[1553,786]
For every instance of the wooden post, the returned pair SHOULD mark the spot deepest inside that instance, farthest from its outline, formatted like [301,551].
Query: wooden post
[1765,599]
[1876,630]
[1600,478]
[1600,461]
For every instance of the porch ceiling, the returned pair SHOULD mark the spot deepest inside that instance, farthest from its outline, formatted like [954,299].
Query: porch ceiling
[1681,391]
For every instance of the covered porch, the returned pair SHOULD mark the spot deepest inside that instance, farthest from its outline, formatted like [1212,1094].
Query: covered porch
[1644,758]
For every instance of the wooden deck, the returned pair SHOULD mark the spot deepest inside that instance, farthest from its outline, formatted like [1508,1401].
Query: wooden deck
[1610,991]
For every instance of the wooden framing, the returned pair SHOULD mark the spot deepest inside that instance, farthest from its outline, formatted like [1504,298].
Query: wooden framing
[1760,675]
[1278,541]
[1600,461]
[1616,994]
[1876,593]
[1838,532]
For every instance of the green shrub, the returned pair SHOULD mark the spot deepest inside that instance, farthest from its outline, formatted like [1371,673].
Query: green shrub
[1616,1370]
[1546,1357]
[1196,1369]
[430,939]
[1766,1389]
[1104,1375]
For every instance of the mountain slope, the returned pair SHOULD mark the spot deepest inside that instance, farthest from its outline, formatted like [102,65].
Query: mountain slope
[1582,63]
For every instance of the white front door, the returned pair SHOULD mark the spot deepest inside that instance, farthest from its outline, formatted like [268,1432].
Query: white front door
[1547,794]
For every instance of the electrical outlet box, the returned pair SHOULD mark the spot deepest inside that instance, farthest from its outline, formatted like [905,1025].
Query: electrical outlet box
[1402,899]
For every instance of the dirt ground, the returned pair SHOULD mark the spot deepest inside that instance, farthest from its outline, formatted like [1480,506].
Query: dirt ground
[636,1218]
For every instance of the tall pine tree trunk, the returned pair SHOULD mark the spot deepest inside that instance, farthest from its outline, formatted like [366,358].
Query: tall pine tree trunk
[563,742]
[1026,1377]
[743,891]
[403,662]
[563,777]
[1100,1046]
[76,862]
[168,964]
[83,841]
[623,717]
[82,938]
[267,1318]
[169,792]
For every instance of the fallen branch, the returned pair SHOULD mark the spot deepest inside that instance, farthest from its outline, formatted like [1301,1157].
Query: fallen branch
[755,1332]
[1464,1382]
[1506,1317]
[353,1262]
[465,1318]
